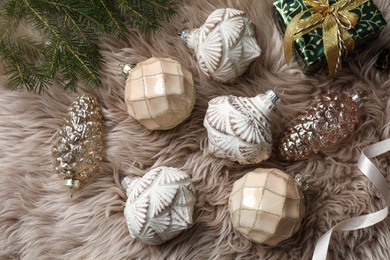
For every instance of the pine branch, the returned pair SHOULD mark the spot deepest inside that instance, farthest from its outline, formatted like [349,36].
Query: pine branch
[114,21]
[12,13]
[70,30]
[69,75]
[165,8]
[22,74]
[147,14]
[89,74]
[28,46]
[76,13]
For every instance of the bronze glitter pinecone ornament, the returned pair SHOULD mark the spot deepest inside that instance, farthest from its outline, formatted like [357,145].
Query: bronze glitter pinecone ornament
[329,119]
[77,149]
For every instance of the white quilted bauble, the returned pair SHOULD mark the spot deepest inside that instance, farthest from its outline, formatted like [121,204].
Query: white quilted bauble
[159,205]
[224,45]
[239,128]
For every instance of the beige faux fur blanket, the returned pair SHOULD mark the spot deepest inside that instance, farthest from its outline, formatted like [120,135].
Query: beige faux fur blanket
[38,219]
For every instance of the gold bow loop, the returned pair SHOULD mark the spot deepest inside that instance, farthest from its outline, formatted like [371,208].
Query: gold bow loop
[335,21]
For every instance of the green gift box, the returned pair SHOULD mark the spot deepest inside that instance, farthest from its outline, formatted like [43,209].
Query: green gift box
[309,47]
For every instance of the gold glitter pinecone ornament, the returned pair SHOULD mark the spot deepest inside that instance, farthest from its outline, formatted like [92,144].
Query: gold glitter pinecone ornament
[77,149]
[329,119]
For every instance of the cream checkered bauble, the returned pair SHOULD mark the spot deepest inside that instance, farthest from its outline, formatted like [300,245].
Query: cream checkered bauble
[160,93]
[266,206]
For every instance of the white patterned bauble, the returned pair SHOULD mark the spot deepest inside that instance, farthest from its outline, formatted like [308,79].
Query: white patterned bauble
[224,45]
[239,128]
[159,205]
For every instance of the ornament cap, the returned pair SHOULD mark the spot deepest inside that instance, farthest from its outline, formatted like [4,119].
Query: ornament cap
[71,183]
[126,181]
[184,34]
[126,69]
[358,97]
[299,178]
[272,96]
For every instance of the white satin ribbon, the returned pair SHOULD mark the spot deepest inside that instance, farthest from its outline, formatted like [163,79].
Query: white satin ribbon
[373,174]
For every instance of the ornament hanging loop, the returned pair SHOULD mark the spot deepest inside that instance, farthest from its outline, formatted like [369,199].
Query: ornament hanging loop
[278,89]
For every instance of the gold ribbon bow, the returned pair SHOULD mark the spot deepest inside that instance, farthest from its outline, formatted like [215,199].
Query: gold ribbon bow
[335,21]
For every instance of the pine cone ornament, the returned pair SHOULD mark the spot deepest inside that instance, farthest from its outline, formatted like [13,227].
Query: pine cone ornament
[329,119]
[159,205]
[239,128]
[77,149]
[224,45]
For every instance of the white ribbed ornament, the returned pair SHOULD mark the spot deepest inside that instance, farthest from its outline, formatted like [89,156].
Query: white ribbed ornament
[159,205]
[224,45]
[239,128]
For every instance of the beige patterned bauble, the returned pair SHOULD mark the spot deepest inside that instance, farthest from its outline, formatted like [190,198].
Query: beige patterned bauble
[239,128]
[78,146]
[267,205]
[224,45]
[160,93]
[159,205]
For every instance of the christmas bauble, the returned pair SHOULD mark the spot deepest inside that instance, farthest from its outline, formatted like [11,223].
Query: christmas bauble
[159,205]
[224,45]
[159,93]
[266,206]
[239,128]
[77,149]
[328,120]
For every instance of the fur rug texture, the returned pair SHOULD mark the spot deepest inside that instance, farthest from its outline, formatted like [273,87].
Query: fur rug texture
[38,219]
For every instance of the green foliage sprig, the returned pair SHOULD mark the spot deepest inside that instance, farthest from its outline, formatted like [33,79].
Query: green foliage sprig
[69,31]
